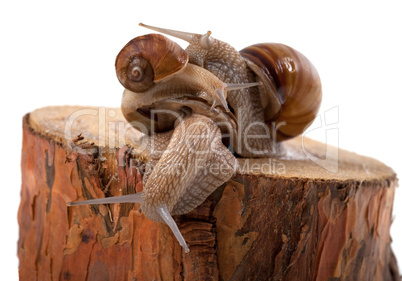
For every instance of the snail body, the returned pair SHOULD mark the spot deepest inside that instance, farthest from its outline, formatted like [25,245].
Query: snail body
[207,98]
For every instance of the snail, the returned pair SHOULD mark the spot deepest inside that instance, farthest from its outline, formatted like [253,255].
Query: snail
[203,104]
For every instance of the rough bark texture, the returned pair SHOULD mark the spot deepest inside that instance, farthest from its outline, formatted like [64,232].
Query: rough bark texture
[289,220]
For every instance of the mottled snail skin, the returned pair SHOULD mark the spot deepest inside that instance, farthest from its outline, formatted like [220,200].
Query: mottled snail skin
[210,89]
[172,189]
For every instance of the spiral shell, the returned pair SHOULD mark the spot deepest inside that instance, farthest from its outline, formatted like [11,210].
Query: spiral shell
[148,59]
[291,87]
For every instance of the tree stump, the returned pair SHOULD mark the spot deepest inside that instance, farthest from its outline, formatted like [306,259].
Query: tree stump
[276,219]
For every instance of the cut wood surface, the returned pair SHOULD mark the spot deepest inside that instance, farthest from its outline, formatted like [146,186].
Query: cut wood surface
[317,213]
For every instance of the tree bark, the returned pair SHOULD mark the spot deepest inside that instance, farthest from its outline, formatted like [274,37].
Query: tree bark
[283,218]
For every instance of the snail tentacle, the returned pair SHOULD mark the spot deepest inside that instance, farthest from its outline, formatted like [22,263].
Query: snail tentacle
[222,98]
[205,40]
[168,219]
[129,198]
[186,36]
[238,86]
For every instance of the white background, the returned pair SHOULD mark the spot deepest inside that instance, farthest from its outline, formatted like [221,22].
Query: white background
[62,53]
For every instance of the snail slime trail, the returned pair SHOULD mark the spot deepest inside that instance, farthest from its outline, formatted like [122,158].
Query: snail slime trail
[255,98]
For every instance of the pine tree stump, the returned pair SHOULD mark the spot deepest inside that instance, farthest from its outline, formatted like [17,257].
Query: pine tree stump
[276,219]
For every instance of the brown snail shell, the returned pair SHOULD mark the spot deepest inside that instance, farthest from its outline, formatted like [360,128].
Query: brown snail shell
[148,59]
[291,87]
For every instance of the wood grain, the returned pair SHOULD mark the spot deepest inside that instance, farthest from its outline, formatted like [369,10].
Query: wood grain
[297,221]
